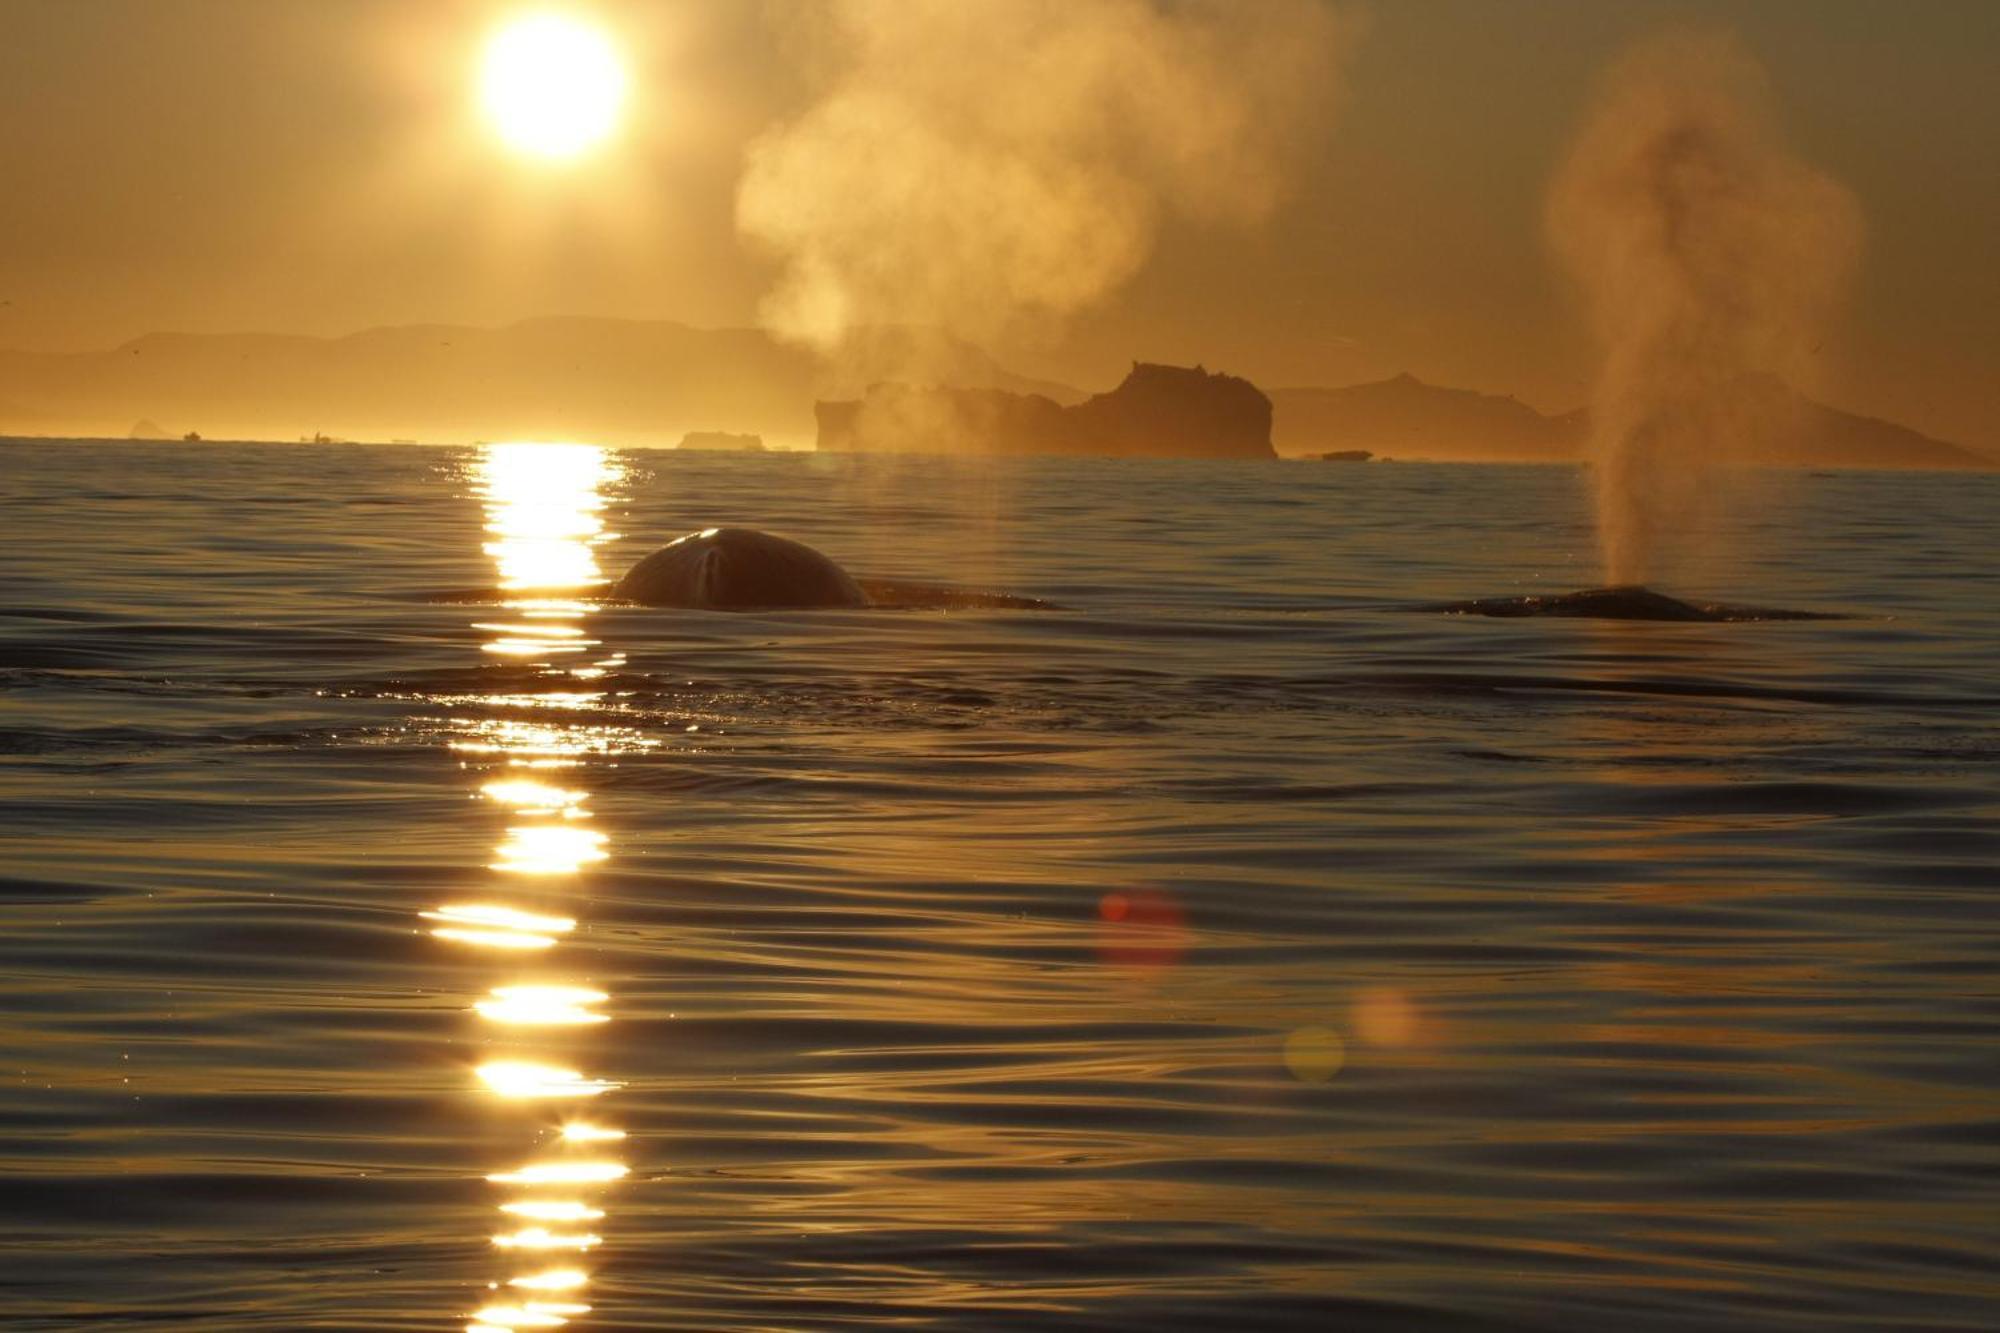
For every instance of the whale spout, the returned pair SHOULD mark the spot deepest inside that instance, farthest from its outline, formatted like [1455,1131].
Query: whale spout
[738,569]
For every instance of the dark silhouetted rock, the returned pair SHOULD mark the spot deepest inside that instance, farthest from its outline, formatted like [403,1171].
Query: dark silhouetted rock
[1159,411]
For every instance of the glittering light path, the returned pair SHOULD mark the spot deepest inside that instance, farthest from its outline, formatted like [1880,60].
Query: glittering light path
[542,504]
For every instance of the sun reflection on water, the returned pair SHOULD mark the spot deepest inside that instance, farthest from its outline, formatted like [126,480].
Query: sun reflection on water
[533,798]
[542,513]
[502,918]
[553,1210]
[544,508]
[541,1238]
[578,1132]
[524,744]
[549,849]
[555,1279]
[519,1079]
[531,1006]
[561,1173]
[531,1315]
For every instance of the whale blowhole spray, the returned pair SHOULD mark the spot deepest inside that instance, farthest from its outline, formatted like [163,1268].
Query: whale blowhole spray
[1709,258]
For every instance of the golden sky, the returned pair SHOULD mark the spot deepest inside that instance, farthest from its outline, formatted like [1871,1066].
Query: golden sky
[244,165]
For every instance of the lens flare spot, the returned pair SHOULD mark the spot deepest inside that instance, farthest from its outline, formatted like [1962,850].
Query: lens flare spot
[1314,1054]
[1141,929]
[1385,1016]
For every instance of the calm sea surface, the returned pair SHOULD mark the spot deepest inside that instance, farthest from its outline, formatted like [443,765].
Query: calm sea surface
[1231,949]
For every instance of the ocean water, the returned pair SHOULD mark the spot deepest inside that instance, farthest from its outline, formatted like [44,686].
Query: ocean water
[1232,948]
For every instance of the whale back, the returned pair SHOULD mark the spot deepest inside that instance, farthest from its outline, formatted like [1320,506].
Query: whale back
[738,569]
[1627,602]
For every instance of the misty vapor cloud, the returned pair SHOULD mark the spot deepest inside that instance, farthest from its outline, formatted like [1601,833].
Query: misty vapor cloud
[977,166]
[1710,258]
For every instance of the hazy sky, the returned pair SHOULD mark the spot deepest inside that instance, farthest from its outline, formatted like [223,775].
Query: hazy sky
[319,166]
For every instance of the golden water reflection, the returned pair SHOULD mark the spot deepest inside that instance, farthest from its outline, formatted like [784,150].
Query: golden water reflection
[578,1132]
[543,503]
[561,1173]
[531,1006]
[519,1079]
[502,918]
[541,1238]
[536,798]
[544,522]
[508,1317]
[553,1210]
[525,744]
[550,849]
[555,1279]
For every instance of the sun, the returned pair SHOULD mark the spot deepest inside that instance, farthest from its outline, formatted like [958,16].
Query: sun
[553,86]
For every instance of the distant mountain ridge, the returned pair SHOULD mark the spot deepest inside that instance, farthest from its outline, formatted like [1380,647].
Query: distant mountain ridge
[1406,418]
[606,380]
[650,382]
